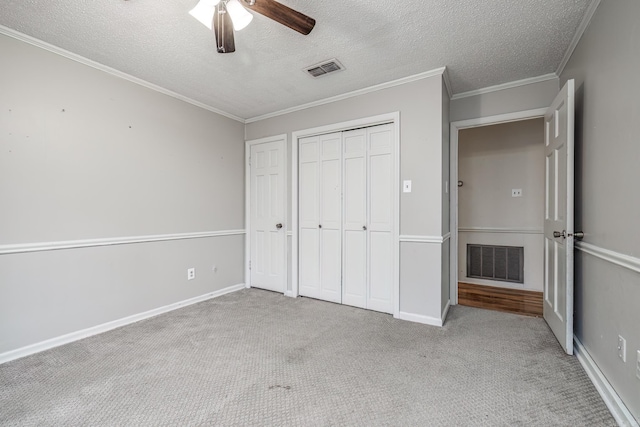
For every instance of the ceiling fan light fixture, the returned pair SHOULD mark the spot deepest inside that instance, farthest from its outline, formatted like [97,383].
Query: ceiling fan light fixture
[204,12]
[239,15]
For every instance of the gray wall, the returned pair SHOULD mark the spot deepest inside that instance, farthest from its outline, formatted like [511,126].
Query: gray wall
[493,160]
[421,117]
[521,98]
[86,155]
[605,66]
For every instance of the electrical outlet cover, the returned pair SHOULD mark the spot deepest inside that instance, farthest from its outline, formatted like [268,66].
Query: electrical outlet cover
[191,273]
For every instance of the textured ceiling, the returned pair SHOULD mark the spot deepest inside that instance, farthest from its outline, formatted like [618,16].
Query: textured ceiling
[482,42]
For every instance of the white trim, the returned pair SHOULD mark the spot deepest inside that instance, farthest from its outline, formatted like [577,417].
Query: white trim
[508,85]
[446,311]
[446,237]
[586,19]
[622,260]
[617,408]
[98,329]
[98,66]
[247,204]
[500,230]
[453,168]
[110,241]
[437,72]
[289,233]
[447,82]
[419,318]
[338,127]
[422,239]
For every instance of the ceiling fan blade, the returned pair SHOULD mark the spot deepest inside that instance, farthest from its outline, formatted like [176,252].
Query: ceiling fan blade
[283,14]
[223,28]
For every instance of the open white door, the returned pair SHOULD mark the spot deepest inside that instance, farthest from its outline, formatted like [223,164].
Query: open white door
[558,217]
[267,232]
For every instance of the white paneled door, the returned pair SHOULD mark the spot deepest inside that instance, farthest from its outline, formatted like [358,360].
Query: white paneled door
[319,217]
[380,222]
[346,217]
[354,261]
[558,217]
[267,229]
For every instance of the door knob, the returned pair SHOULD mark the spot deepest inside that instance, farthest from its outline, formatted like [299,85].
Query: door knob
[319,225]
[577,235]
[562,234]
[364,227]
[279,226]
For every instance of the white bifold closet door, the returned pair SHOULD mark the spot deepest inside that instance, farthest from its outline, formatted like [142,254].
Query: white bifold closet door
[320,217]
[346,217]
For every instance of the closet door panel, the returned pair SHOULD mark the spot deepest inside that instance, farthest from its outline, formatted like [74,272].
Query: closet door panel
[331,216]
[354,262]
[380,272]
[309,261]
[354,291]
[380,242]
[309,217]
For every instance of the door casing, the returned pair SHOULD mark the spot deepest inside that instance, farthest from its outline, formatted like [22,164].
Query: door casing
[453,170]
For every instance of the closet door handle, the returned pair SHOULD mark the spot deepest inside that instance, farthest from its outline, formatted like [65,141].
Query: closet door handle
[279,226]
[364,227]
[319,225]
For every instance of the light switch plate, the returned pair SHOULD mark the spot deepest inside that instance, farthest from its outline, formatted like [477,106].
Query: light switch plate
[406,186]
[622,348]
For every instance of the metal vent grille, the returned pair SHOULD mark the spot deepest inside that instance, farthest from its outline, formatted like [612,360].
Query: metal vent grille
[325,67]
[503,263]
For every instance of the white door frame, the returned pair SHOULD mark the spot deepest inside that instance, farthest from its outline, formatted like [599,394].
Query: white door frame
[247,206]
[453,168]
[338,127]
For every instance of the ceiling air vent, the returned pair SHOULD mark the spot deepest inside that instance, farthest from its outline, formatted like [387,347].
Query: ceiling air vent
[325,67]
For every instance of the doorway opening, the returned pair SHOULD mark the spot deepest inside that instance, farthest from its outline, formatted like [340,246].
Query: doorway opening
[500,216]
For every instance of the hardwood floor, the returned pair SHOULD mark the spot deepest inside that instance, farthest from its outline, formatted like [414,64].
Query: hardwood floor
[501,299]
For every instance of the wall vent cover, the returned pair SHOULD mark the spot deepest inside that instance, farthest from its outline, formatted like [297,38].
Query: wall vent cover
[503,263]
[325,68]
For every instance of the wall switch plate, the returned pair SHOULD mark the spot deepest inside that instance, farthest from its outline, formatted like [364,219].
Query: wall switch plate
[516,192]
[406,186]
[638,366]
[191,273]
[622,348]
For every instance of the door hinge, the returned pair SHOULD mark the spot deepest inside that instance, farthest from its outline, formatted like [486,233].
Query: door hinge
[249,265]
[249,160]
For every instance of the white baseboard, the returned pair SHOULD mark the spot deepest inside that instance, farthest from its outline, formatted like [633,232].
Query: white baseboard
[98,329]
[290,294]
[419,318]
[618,409]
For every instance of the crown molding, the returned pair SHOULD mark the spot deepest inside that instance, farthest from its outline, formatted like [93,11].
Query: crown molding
[437,72]
[112,71]
[508,85]
[586,20]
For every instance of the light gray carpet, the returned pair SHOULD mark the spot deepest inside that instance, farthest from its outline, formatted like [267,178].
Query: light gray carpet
[257,358]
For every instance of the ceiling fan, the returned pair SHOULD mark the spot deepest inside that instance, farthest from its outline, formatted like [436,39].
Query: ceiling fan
[225,16]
